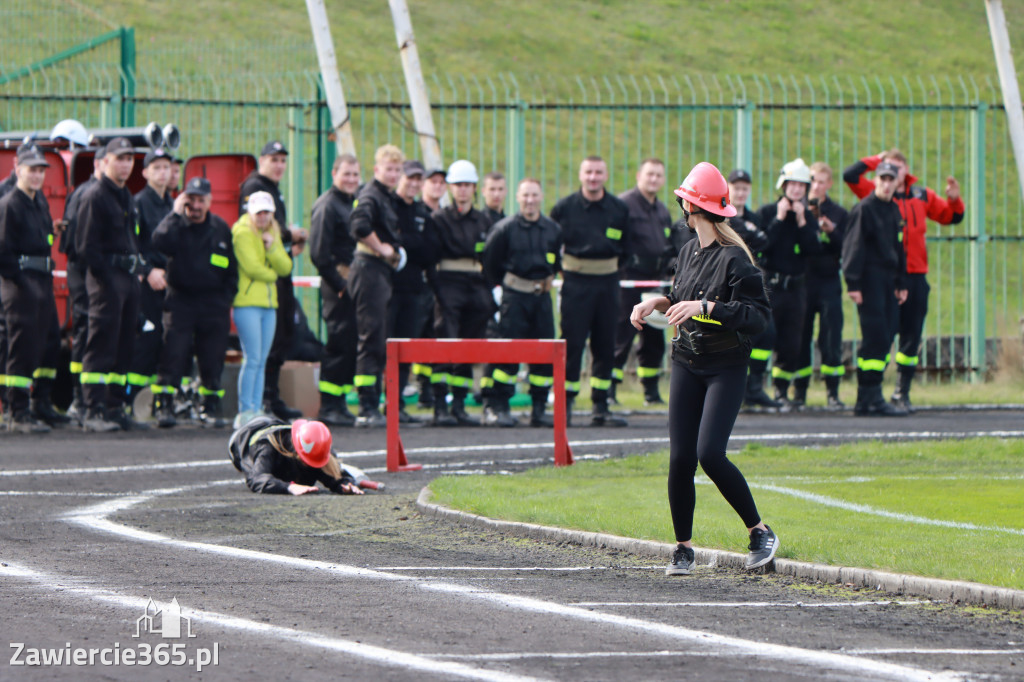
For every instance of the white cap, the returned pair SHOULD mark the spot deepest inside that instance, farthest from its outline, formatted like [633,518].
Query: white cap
[462,171]
[260,201]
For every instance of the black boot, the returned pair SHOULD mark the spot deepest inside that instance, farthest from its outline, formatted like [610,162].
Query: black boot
[871,403]
[442,417]
[459,411]
[77,409]
[799,393]
[832,387]
[537,414]
[426,399]
[602,416]
[613,391]
[652,396]
[570,401]
[498,413]
[782,395]
[901,397]
[163,410]
[212,414]
[369,409]
[755,396]
[42,410]
[334,411]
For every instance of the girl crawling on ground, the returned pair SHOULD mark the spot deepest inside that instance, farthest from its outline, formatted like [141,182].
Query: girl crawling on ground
[277,457]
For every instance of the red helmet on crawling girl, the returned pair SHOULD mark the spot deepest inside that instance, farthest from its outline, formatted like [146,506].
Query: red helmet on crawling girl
[705,188]
[312,442]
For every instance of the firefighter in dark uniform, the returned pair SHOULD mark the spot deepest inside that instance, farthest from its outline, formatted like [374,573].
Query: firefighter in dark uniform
[79,295]
[105,240]
[594,223]
[523,255]
[747,224]
[26,289]
[435,188]
[824,294]
[495,190]
[152,204]
[331,249]
[792,232]
[266,178]
[202,280]
[464,301]
[374,224]
[412,298]
[9,183]
[647,239]
[874,265]
[917,205]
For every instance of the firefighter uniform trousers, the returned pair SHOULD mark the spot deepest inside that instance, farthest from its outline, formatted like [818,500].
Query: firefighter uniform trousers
[652,341]
[788,310]
[464,306]
[824,299]
[407,316]
[5,400]
[585,311]
[79,296]
[338,366]
[878,319]
[198,324]
[113,316]
[148,343]
[284,333]
[33,337]
[370,285]
[911,325]
[524,316]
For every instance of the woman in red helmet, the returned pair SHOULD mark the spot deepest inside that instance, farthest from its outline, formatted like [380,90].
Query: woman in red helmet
[717,304]
[280,458]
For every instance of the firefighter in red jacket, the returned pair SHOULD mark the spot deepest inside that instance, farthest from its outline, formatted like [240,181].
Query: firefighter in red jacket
[917,204]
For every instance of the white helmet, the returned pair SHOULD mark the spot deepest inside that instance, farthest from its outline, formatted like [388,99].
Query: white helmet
[797,171]
[72,131]
[462,171]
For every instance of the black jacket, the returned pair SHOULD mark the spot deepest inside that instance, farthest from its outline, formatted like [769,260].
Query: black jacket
[826,264]
[200,257]
[106,226]
[330,243]
[461,235]
[873,233]
[724,275]
[789,246]
[592,229]
[268,471]
[151,209]
[749,227]
[647,238]
[26,229]
[494,216]
[67,239]
[419,238]
[531,250]
[255,182]
[9,183]
[375,212]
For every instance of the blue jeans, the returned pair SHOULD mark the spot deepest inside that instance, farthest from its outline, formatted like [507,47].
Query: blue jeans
[256,333]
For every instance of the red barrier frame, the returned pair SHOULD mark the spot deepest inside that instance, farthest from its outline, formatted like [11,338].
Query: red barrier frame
[466,351]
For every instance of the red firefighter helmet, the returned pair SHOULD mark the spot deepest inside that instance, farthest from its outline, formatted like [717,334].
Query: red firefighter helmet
[312,442]
[706,188]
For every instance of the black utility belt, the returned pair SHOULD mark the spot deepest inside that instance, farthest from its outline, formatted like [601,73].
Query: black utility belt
[129,263]
[702,343]
[37,263]
[780,282]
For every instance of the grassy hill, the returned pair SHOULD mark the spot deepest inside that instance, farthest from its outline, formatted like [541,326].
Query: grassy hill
[581,37]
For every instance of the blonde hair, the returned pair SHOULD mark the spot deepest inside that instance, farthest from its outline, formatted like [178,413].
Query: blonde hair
[282,443]
[896,154]
[821,167]
[726,236]
[388,153]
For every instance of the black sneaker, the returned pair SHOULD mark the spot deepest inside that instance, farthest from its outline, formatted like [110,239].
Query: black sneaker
[24,422]
[97,422]
[371,420]
[835,404]
[763,545]
[682,561]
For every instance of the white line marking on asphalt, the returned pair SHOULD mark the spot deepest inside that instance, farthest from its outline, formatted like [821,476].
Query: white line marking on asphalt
[388,657]
[874,511]
[523,655]
[116,469]
[948,652]
[94,517]
[753,604]
[58,493]
[554,569]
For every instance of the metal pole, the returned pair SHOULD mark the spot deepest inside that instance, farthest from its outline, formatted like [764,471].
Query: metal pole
[340,123]
[744,137]
[414,82]
[976,225]
[127,77]
[296,166]
[516,149]
[1007,82]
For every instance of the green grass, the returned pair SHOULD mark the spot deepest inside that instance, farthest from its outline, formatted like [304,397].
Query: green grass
[969,482]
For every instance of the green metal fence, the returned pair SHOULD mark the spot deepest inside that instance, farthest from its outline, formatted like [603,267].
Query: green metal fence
[541,127]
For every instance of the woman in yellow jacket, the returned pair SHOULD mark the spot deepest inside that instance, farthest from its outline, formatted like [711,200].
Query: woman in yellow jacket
[261,260]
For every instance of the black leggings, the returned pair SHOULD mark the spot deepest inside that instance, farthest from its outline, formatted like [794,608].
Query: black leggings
[703,405]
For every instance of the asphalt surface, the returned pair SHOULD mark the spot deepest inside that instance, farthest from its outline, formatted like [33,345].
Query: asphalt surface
[332,587]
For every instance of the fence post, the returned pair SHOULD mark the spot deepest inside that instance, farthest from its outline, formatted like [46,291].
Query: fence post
[976,226]
[516,150]
[127,76]
[744,137]
[296,186]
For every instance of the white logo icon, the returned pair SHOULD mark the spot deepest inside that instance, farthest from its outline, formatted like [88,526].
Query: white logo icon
[170,621]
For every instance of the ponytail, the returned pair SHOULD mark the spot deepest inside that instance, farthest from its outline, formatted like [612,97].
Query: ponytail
[725,235]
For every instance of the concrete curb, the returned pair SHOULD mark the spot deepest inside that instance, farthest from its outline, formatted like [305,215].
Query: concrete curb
[894,583]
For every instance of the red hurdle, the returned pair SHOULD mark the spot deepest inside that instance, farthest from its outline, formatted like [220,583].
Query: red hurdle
[466,351]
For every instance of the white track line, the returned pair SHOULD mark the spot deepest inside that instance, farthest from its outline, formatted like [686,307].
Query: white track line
[874,511]
[95,517]
[553,569]
[525,655]
[949,652]
[753,604]
[380,655]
